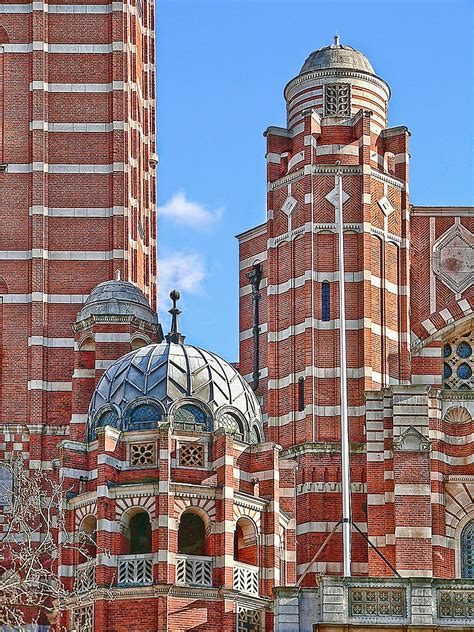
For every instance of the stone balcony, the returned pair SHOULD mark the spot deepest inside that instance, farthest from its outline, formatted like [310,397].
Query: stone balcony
[135,570]
[246,578]
[193,570]
[432,604]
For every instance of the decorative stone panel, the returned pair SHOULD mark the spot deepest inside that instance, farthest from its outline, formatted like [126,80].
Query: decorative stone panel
[453,256]
[337,99]
[83,618]
[456,604]
[377,602]
[191,454]
[142,454]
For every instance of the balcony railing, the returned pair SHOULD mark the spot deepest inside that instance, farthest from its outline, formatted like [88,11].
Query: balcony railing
[85,577]
[135,570]
[193,570]
[246,578]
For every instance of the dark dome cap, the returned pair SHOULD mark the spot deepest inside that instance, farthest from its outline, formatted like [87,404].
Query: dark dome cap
[337,56]
[116,298]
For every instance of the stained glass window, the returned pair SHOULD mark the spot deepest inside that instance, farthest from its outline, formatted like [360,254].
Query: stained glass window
[326,301]
[467,551]
[144,417]
[458,363]
[190,417]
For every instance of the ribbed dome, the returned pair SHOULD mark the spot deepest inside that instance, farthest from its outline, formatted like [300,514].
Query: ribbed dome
[165,373]
[337,56]
[117,297]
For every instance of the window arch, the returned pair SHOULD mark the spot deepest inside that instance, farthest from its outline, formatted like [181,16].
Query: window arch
[467,551]
[325,301]
[139,532]
[232,424]
[88,536]
[190,417]
[143,415]
[191,534]
[245,542]
[255,436]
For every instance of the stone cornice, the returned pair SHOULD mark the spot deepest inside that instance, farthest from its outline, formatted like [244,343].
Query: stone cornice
[336,72]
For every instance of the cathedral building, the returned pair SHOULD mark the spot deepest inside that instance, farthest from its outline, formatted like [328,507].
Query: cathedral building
[212,495]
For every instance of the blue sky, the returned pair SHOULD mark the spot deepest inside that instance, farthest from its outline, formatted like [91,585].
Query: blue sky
[222,67]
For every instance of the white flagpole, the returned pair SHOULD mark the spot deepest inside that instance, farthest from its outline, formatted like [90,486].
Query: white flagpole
[346,473]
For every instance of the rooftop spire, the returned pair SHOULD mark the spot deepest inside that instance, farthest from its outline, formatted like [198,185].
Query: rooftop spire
[174,335]
[337,41]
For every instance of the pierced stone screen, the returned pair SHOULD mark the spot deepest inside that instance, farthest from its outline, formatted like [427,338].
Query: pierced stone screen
[191,455]
[142,454]
[337,101]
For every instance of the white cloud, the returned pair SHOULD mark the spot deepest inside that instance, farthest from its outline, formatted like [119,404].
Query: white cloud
[184,211]
[182,271]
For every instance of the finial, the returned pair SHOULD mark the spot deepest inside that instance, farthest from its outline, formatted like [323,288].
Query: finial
[337,41]
[118,275]
[174,335]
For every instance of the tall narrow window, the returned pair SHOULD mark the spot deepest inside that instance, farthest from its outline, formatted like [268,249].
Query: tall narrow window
[325,301]
[301,393]
[467,551]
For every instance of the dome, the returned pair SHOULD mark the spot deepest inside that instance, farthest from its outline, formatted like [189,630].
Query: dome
[337,56]
[117,297]
[175,381]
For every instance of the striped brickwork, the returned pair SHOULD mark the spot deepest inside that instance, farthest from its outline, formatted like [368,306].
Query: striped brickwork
[235,483]
[78,183]
[393,273]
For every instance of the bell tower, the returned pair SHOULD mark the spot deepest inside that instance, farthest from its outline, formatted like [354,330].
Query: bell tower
[337,125]
[77,182]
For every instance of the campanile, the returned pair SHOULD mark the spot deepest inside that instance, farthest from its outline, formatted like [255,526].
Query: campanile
[337,122]
[77,183]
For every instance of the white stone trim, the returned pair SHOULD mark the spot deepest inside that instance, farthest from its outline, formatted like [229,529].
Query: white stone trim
[43,341]
[77,212]
[42,385]
[65,168]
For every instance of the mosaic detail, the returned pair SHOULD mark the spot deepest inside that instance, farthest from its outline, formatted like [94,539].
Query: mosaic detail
[142,454]
[377,602]
[455,604]
[337,100]
[458,363]
[191,455]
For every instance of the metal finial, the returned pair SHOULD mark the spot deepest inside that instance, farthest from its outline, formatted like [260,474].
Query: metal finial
[175,335]
[118,275]
[337,41]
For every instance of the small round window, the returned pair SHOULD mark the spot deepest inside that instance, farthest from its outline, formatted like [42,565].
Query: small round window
[190,417]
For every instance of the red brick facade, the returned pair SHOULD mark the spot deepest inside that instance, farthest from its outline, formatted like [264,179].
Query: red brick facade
[408,286]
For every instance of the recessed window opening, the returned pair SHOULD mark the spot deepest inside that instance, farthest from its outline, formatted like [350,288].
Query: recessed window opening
[191,535]
[140,534]
[467,551]
[245,542]
[301,394]
[6,485]
[325,301]
[88,535]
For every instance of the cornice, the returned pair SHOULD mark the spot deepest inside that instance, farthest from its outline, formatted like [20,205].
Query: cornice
[383,177]
[336,72]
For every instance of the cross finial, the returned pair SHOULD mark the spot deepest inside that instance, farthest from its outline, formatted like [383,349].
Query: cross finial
[337,40]
[174,335]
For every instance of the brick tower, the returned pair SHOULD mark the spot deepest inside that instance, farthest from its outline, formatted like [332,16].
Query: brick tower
[337,123]
[77,184]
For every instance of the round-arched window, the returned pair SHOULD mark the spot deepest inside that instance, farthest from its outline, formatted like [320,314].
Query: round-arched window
[255,435]
[232,424]
[191,535]
[190,417]
[467,551]
[145,416]
[140,534]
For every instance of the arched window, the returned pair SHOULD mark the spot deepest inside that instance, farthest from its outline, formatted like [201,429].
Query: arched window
[191,535]
[140,534]
[467,551]
[245,542]
[255,435]
[232,424]
[301,394]
[88,537]
[325,301]
[144,416]
[190,417]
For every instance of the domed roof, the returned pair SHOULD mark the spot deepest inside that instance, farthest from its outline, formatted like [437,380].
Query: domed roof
[167,373]
[117,297]
[337,56]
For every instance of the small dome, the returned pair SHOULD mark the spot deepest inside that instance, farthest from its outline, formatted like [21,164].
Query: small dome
[117,297]
[143,387]
[337,56]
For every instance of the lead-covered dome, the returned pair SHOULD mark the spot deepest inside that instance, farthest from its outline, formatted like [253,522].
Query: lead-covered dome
[337,56]
[116,298]
[192,388]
